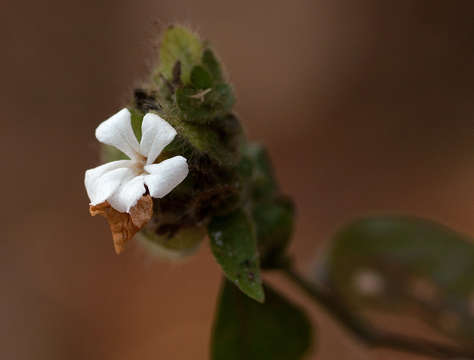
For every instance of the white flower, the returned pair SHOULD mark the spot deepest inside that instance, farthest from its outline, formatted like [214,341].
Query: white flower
[122,183]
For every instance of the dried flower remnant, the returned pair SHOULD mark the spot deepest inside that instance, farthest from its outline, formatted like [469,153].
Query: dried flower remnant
[125,225]
[119,190]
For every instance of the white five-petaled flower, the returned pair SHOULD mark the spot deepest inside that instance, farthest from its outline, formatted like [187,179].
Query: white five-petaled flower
[122,183]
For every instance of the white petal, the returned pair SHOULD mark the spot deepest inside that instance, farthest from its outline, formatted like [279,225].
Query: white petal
[166,175]
[103,180]
[117,131]
[156,134]
[128,194]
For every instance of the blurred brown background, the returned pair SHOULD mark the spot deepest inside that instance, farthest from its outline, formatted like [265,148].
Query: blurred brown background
[366,107]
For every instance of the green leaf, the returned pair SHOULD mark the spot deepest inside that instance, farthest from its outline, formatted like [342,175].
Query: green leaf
[274,223]
[235,249]
[181,45]
[272,212]
[191,102]
[222,97]
[407,266]
[245,329]
[212,64]
[137,119]
[110,153]
[199,140]
[204,106]
[200,78]
[264,184]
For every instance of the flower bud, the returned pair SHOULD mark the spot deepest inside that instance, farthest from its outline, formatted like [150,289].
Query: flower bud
[182,244]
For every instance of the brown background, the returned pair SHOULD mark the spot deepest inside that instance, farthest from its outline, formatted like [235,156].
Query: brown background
[366,107]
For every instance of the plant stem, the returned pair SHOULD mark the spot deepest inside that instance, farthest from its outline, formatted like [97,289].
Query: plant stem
[371,336]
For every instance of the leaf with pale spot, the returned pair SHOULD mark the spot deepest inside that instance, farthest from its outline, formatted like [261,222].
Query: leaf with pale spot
[235,249]
[408,266]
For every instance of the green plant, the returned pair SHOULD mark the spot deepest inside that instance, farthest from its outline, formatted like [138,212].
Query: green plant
[231,194]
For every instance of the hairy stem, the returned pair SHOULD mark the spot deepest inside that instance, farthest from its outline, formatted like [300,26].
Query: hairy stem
[371,336]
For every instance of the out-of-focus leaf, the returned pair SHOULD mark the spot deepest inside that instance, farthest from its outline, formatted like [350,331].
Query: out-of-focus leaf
[245,329]
[235,249]
[274,223]
[264,184]
[137,119]
[222,98]
[406,265]
[228,126]
[110,153]
[272,212]
[179,45]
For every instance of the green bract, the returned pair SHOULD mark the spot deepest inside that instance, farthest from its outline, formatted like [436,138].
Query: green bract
[179,45]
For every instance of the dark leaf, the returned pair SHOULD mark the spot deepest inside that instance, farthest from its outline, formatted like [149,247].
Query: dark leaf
[274,222]
[222,98]
[245,329]
[264,184]
[235,249]
[193,106]
[408,266]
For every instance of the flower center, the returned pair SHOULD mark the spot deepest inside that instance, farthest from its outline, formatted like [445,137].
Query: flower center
[138,166]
